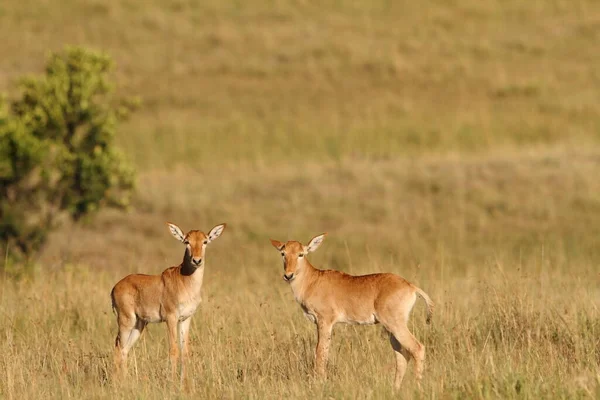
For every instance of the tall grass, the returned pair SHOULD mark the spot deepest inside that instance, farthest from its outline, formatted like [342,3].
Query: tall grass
[505,246]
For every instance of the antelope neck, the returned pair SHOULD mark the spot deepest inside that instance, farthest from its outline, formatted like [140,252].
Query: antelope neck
[302,280]
[187,267]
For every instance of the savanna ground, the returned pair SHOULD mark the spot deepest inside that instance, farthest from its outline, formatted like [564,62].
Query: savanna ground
[456,143]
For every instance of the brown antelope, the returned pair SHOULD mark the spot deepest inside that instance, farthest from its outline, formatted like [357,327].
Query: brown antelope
[329,297]
[170,297]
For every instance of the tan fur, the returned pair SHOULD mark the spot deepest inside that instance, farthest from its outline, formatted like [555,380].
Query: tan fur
[171,297]
[330,297]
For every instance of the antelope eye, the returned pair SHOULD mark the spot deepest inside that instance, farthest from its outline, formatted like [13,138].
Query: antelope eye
[283,254]
[186,242]
[301,255]
[206,242]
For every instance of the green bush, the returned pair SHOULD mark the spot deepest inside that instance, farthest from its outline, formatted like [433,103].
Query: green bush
[57,158]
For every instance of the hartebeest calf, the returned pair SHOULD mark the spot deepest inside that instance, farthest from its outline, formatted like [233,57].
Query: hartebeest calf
[329,297]
[170,297]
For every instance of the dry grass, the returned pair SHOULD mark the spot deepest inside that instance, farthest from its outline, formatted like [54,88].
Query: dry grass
[505,246]
[454,143]
[250,340]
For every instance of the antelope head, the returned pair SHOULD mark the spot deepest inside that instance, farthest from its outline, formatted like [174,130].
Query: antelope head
[195,242]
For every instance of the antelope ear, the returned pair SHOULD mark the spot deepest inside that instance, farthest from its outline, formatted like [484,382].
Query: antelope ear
[216,232]
[315,243]
[176,232]
[277,244]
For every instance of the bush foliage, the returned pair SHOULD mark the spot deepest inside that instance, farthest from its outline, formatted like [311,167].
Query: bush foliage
[57,156]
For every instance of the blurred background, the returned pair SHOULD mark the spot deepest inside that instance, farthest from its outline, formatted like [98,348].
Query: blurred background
[456,143]
[462,124]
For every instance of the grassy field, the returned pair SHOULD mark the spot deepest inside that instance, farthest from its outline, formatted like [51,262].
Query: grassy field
[455,143]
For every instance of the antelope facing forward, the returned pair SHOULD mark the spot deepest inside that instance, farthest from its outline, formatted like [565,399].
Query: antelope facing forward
[171,297]
[329,297]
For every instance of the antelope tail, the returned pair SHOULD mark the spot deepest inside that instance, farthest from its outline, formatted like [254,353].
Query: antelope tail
[112,298]
[430,304]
